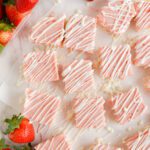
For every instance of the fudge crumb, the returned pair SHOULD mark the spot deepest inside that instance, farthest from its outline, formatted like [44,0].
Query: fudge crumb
[140,123]
[110,130]
[58,1]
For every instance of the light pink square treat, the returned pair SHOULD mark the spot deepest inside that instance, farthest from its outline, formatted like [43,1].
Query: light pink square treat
[78,76]
[80,33]
[127,106]
[89,113]
[115,62]
[116,16]
[142,19]
[101,146]
[40,67]
[40,107]
[49,31]
[142,51]
[139,141]
[55,143]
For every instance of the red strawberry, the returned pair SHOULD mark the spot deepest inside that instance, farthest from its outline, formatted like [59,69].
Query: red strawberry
[3,146]
[6,31]
[20,130]
[14,16]
[25,5]
[5,36]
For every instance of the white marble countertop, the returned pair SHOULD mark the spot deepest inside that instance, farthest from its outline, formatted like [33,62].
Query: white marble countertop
[12,85]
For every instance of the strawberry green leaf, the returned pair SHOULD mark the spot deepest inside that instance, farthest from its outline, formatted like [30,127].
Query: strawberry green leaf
[5,27]
[24,147]
[13,123]
[1,48]
[9,2]
[2,144]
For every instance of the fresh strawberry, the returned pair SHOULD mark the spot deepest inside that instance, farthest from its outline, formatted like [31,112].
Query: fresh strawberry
[6,31]
[3,146]
[5,36]
[25,5]
[20,130]
[13,14]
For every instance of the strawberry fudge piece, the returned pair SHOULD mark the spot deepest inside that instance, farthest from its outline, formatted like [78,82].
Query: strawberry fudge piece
[55,143]
[40,107]
[89,113]
[139,141]
[40,67]
[127,106]
[49,31]
[142,19]
[142,51]
[115,62]
[80,33]
[78,77]
[116,16]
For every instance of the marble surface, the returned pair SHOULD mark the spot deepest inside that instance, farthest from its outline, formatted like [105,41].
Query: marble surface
[13,85]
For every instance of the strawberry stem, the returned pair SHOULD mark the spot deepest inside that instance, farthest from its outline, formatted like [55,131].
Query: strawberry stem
[2,144]
[1,48]
[24,147]
[13,123]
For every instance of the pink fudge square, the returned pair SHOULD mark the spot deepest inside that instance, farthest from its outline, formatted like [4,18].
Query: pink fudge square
[115,62]
[142,19]
[139,141]
[142,51]
[78,77]
[40,107]
[40,67]
[89,112]
[49,31]
[80,33]
[127,106]
[116,16]
[55,143]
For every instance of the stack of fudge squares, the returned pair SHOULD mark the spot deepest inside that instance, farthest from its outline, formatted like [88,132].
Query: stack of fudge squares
[78,33]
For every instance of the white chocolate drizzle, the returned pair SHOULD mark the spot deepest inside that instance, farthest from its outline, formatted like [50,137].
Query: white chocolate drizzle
[80,33]
[89,113]
[115,63]
[40,107]
[40,67]
[78,76]
[132,101]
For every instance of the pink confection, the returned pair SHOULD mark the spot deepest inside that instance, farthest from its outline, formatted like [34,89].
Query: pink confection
[142,19]
[139,141]
[49,31]
[115,62]
[142,51]
[80,33]
[78,76]
[40,107]
[100,146]
[116,16]
[89,113]
[127,106]
[40,67]
[55,143]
